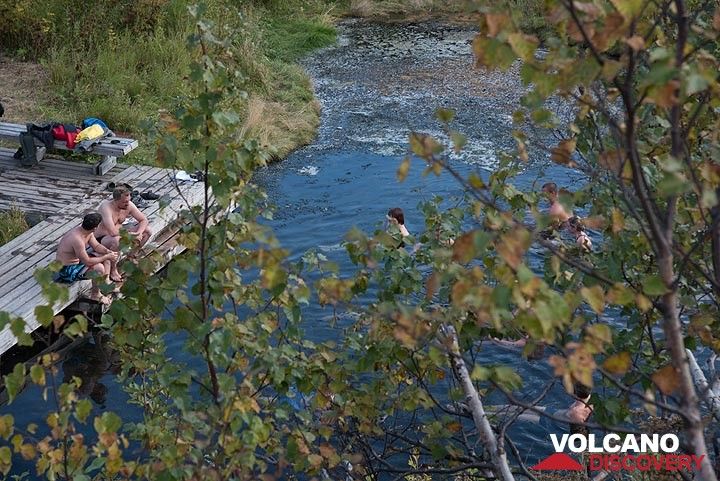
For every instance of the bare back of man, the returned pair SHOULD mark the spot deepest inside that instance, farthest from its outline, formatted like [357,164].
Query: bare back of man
[114,213]
[72,253]
[557,211]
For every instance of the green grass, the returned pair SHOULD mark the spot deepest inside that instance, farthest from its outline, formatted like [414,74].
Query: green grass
[288,39]
[14,224]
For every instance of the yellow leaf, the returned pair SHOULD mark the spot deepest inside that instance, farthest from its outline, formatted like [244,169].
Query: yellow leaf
[594,222]
[666,379]
[496,22]
[561,154]
[618,221]
[512,246]
[522,151]
[628,8]
[597,337]
[618,363]
[643,302]
[612,160]
[27,451]
[582,365]
[326,450]
[665,96]
[37,374]
[6,425]
[403,170]
[636,42]
[431,285]
[595,297]
[576,33]
[619,294]
[523,45]
[464,248]
[454,427]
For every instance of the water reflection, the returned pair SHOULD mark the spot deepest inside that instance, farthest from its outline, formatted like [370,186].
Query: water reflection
[90,361]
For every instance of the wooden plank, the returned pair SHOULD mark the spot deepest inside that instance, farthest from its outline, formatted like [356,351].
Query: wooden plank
[105,165]
[54,168]
[8,340]
[46,243]
[194,194]
[51,229]
[44,190]
[32,179]
[23,239]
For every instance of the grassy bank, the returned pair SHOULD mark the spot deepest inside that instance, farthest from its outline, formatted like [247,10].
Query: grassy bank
[526,13]
[130,62]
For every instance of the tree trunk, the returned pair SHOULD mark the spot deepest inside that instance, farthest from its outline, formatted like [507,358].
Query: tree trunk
[497,455]
[711,397]
[694,429]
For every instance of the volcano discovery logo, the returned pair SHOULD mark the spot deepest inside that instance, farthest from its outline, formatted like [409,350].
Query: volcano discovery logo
[647,452]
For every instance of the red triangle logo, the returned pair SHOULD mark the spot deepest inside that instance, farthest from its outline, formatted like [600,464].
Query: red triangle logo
[558,462]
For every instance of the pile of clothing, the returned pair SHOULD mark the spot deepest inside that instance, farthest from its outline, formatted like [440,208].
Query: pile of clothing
[79,139]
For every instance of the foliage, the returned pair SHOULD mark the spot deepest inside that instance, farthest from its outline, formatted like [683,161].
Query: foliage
[405,392]
[640,81]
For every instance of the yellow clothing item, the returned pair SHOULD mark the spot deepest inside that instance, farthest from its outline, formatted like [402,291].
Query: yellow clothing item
[92,132]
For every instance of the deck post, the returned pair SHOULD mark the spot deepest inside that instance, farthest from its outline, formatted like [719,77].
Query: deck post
[107,162]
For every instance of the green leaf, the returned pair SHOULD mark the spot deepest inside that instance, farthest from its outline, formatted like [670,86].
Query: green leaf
[480,373]
[506,377]
[523,45]
[459,141]
[44,314]
[694,83]
[37,374]
[444,115]
[654,286]
[84,406]
[17,327]
[15,381]
[109,422]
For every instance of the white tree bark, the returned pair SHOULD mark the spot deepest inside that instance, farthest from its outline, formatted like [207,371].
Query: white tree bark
[497,454]
[711,397]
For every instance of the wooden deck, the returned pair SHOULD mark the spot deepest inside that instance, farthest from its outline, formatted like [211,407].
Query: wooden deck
[64,192]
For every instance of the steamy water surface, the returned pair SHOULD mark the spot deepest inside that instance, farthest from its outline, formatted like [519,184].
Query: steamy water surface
[375,86]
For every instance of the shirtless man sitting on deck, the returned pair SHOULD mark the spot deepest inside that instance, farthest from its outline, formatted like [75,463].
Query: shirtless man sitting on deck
[72,252]
[114,212]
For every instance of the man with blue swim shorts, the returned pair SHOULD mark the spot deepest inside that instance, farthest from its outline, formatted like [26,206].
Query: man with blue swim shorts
[72,253]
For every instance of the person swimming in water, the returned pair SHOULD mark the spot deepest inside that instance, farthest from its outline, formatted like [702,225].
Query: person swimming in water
[577,229]
[396,217]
